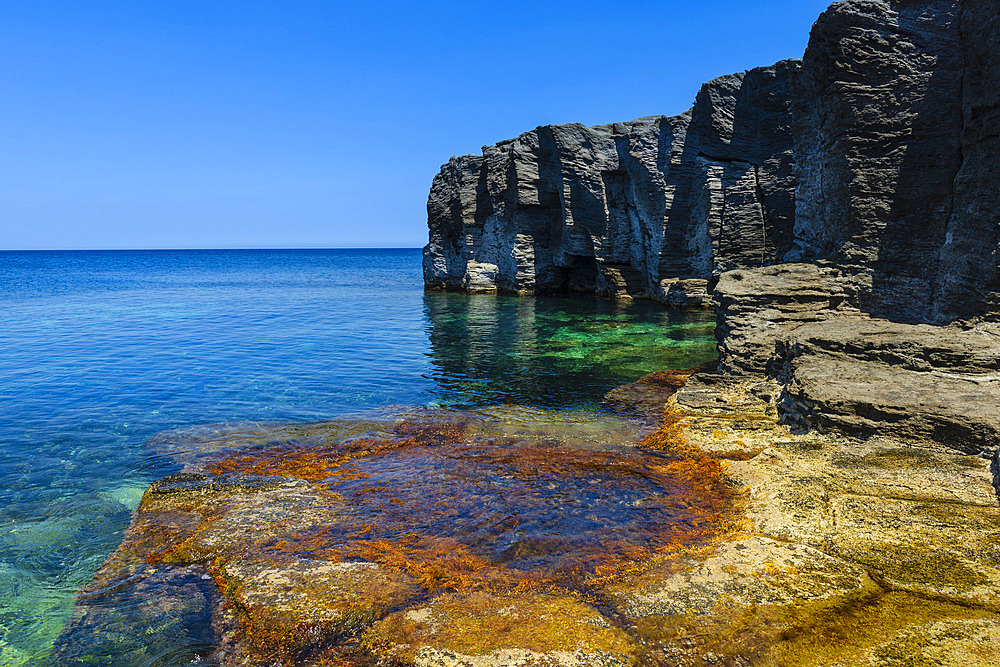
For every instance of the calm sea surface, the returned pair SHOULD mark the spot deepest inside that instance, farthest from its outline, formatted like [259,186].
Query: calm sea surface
[101,350]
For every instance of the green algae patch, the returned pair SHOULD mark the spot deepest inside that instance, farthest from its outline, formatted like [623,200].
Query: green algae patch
[555,352]
[892,630]
[541,628]
[929,543]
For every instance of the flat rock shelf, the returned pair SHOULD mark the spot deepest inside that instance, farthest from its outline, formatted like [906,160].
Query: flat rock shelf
[683,526]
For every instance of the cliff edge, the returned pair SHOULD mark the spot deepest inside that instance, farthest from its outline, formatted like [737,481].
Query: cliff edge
[878,151]
[819,204]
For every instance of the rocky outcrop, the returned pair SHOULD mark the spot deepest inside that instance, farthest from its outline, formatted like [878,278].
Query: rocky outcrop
[897,153]
[872,377]
[756,308]
[855,552]
[832,207]
[878,152]
[656,206]
[840,369]
[705,533]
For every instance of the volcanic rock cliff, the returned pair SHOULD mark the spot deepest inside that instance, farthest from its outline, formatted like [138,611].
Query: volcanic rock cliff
[878,151]
[821,204]
[654,207]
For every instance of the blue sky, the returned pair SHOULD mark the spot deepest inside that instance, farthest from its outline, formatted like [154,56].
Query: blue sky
[215,124]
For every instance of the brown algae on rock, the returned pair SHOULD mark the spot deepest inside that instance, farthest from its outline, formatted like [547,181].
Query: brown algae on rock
[285,610]
[527,628]
[716,536]
[312,538]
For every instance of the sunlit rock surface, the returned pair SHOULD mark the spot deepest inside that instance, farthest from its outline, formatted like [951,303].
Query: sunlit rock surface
[652,207]
[840,369]
[847,551]
[826,499]
[877,152]
[697,530]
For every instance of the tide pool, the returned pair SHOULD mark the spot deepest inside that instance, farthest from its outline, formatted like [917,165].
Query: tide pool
[100,351]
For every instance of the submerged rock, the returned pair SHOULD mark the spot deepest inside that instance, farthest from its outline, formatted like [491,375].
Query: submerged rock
[715,536]
[156,615]
[320,545]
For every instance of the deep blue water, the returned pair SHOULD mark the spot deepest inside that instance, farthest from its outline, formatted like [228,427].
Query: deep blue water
[101,350]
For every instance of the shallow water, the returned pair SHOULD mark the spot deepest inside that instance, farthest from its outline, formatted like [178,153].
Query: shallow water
[100,351]
[502,501]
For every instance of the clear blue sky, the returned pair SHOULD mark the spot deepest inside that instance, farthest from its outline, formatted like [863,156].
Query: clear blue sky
[180,124]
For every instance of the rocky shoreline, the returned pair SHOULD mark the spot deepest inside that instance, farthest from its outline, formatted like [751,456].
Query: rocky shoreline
[828,495]
[839,212]
[876,153]
[783,546]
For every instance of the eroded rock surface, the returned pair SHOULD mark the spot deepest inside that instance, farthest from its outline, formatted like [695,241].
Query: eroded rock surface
[654,206]
[712,534]
[841,369]
[877,152]
[849,551]
[426,538]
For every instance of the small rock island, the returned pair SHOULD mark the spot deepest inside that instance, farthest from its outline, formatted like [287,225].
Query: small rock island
[825,494]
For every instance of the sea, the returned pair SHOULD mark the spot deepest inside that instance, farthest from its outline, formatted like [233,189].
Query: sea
[102,350]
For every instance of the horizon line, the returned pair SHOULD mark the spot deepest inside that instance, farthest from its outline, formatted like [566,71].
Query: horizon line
[304,248]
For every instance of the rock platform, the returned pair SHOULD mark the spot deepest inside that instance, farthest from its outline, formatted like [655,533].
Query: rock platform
[699,531]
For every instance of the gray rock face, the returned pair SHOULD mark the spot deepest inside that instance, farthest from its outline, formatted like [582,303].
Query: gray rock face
[841,369]
[878,152]
[758,308]
[896,153]
[653,207]
[867,377]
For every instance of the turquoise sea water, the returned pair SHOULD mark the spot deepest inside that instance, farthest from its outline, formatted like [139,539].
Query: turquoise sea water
[99,351]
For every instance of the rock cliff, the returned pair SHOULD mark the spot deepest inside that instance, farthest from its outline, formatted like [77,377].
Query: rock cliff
[856,190]
[654,207]
[878,151]
[897,153]
[896,224]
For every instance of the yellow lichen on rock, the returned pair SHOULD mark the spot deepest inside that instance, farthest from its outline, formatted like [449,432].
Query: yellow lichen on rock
[893,630]
[288,607]
[834,531]
[490,630]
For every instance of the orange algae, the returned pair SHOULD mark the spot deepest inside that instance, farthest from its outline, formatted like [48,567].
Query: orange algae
[647,395]
[318,462]
[494,513]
